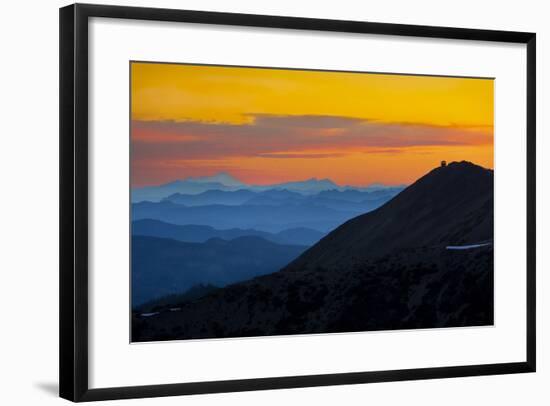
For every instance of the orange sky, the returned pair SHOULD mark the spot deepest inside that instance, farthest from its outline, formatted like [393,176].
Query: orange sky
[275,125]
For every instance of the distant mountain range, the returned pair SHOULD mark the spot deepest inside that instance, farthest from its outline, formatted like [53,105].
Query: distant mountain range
[157,193]
[198,233]
[222,178]
[387,269]
[225,182]
[271,210]
[348,200]
[309,186]
[222,225]
[228,198]
[163,266]
[272,219]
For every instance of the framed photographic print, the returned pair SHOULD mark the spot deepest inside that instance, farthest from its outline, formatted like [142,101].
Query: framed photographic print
[257,202]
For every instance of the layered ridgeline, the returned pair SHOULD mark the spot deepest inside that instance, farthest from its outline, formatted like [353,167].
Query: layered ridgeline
[422,260]
[225,182]
[200,233]
[285,219]
[313,204]
[163,266]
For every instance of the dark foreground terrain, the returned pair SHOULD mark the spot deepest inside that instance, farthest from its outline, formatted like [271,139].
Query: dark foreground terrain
[394,268]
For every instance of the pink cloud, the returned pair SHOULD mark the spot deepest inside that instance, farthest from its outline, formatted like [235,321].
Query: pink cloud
[275,136]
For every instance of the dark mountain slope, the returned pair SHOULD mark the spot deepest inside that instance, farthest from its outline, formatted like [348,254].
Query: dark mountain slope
[414,289]
[449,205]
[388,269]
[170,301]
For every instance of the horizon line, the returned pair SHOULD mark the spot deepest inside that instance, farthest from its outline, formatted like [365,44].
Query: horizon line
[244,184]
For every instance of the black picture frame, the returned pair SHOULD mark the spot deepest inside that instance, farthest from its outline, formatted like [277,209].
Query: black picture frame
[73,253]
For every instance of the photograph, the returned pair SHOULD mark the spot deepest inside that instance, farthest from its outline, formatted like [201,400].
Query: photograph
[275,201]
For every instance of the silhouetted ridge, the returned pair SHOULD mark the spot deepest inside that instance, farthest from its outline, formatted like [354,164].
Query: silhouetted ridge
[451,204]
[385,270]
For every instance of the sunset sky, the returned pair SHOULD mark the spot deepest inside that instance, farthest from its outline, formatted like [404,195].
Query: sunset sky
[274,125]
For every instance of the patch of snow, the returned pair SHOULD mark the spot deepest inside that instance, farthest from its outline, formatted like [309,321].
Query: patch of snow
[149,314]
[467,247]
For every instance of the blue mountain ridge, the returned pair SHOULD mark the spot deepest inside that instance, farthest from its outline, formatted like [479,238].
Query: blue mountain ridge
[163,266]
[201,233]
[264,218]
[225,182]
[217,230]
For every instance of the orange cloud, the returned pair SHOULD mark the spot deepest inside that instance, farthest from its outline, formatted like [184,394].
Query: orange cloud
[273,125]
[187,148]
